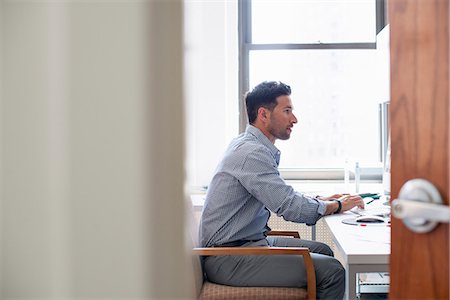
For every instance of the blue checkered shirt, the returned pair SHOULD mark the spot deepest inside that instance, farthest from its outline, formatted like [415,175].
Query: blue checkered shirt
[245,188]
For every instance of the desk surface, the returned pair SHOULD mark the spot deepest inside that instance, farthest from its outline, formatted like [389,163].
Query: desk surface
[364,249]
[368,244]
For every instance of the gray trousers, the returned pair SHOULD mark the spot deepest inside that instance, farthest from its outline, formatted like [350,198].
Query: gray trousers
[279,270]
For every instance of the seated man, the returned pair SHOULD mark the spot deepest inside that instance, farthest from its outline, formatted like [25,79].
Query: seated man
[247,186]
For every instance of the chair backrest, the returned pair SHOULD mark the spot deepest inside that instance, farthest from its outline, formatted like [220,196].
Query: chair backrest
[208,290]
[193,238]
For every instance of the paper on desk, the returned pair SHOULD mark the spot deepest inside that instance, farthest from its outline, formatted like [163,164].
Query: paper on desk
[375,211]
[376,208]
[365,234]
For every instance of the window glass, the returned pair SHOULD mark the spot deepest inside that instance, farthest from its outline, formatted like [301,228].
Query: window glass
[313,21]
[335,97]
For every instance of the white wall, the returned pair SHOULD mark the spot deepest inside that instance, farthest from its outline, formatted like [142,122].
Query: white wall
[92,147]
[211,43]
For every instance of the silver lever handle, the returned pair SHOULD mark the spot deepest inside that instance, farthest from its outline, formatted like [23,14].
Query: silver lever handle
[414,209]
[420,206]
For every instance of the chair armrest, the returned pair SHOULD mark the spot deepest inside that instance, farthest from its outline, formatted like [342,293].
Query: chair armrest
[215,251]
[310,272]
[294,234]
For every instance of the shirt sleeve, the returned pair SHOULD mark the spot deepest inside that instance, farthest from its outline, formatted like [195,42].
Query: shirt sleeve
[260,176]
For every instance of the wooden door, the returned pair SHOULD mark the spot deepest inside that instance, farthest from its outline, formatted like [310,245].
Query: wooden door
[420,140]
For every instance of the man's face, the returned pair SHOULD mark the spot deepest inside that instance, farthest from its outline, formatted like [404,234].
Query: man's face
[282,119]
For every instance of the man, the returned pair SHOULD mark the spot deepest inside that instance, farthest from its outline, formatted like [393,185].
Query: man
[246,186]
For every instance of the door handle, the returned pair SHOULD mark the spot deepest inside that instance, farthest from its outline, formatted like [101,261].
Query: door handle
[420,206]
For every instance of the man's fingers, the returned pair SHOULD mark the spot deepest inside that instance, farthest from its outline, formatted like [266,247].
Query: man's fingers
[350,197]
[354,200]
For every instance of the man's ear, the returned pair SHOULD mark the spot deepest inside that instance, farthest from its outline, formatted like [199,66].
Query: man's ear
[263,114]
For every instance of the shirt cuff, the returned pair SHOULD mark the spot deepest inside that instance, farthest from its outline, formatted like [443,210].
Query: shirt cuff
[322,207]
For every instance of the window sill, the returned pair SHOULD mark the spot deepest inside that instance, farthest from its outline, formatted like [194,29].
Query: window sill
[312,187]
[366,173]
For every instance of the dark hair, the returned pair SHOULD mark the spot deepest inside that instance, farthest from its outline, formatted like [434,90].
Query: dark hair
[264,95]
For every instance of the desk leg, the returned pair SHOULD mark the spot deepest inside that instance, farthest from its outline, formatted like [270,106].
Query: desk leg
[350,283]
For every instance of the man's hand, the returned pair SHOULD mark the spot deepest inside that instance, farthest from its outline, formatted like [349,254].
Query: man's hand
[347,201]
[333,197]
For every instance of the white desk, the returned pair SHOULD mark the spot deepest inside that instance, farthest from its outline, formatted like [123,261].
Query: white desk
[364,249]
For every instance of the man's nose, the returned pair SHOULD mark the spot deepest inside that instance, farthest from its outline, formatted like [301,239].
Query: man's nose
[294,119]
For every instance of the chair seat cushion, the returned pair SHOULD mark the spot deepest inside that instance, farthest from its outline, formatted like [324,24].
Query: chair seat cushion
[218,292]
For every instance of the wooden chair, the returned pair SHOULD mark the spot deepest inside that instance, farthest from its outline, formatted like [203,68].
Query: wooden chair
[211,291]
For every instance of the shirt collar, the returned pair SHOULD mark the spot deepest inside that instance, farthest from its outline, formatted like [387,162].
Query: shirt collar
[264,140]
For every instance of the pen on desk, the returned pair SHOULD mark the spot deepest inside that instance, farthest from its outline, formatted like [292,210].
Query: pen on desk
[370,201]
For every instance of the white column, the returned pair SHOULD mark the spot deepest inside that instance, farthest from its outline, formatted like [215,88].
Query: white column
[92,150]
[35,221]
[167,179]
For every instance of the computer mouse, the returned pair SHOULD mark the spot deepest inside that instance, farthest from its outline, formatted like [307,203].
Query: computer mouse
[369,219]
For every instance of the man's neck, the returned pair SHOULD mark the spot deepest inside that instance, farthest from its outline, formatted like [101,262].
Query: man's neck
[262,128]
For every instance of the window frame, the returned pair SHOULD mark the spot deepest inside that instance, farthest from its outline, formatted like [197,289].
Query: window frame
[246,45]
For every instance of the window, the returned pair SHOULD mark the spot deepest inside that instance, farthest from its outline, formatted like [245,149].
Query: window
[334,75]
[326,50]
[329,21]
